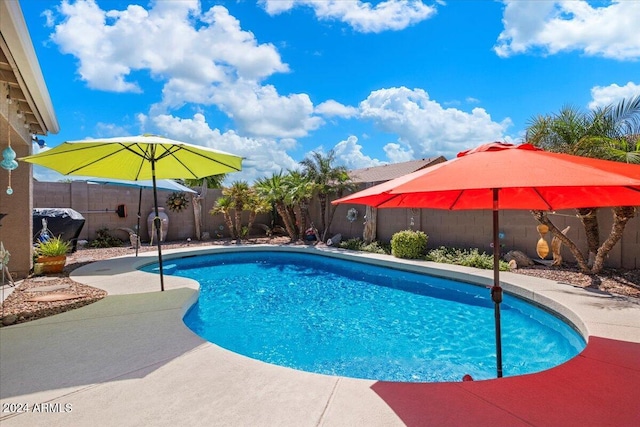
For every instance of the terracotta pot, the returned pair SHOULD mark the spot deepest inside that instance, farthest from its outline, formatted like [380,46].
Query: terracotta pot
[52,264]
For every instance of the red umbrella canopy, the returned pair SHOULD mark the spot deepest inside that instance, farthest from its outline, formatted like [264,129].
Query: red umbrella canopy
[526,176]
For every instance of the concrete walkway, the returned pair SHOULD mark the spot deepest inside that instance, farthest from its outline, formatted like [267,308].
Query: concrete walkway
[128,360]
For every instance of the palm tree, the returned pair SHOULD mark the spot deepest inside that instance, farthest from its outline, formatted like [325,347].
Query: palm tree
[239,193]
[224,205]
[299,191]
[213,181]
[619,126]
[255,205]
[613,133]
[274,191]
[329,180]
[566,132]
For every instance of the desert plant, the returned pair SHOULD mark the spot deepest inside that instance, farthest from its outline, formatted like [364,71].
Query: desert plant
[466,257]
[53,247]
[409,244]
[354,244]
[105,240]
[377,248]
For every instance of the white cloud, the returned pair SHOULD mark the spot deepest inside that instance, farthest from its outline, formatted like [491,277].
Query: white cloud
[610,31]
[612,94]
[397,153]
[349,153]
[333,108]
[424,127]
[260,110]
[107,130]
[262,156]
[201,57]
[361,16]
[165,41]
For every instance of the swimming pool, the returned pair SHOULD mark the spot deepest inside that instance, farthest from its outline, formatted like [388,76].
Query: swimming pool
[339,317]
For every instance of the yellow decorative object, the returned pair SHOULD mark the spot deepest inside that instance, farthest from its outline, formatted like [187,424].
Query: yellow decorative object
[542,248]
[177,201]
[556,244]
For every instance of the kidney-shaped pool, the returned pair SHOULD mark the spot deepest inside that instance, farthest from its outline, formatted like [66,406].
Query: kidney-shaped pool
[338,317]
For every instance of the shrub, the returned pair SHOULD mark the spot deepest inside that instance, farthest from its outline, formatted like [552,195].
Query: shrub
[357,244]
[377,248]
[55,246]
[354,244]
[105,240]
[409,244]
[468,258]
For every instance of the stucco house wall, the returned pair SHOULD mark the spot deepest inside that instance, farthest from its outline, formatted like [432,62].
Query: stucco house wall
[25,110]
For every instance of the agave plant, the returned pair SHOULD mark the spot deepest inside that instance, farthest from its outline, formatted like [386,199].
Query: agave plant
[55,246]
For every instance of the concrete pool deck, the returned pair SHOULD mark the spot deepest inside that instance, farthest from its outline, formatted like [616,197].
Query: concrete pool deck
[129,360]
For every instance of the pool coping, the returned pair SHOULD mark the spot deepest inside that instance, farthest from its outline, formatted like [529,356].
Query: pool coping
[162,357]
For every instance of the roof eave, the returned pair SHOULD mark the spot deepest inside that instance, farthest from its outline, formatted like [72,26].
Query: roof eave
[26,66]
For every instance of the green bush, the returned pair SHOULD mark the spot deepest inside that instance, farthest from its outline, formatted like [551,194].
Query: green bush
[466,257]
[354,244]
[105,240]
[409,244]
[377,248]
[53,247]
[357,244]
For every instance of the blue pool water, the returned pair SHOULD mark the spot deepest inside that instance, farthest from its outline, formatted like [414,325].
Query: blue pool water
[345,318]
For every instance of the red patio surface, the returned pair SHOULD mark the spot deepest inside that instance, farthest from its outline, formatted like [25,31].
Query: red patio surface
[599,387]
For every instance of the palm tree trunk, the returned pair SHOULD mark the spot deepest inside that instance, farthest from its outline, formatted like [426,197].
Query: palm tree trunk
[286,218]
[621,215]
[542,218]
[229,222]
[297,211]
[306,216]
[323,215]
[252,218]
[238,223]
[589,219]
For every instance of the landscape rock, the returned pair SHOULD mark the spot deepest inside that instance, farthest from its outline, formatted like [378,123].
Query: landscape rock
[9,320]
[520,258]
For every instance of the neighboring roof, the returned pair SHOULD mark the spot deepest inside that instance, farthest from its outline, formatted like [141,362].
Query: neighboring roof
[392,170]
[20,69]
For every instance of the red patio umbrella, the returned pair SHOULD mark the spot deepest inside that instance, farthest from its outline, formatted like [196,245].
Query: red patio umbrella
[505,176]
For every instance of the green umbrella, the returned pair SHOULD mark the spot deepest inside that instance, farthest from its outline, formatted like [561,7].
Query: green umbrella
[137,158]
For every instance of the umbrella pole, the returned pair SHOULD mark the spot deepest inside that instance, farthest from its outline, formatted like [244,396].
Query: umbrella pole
[496,290]
[138,226]
[157,223]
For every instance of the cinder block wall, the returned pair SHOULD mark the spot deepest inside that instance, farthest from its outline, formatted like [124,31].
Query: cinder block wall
[97,203]
[474,229]
[463,229]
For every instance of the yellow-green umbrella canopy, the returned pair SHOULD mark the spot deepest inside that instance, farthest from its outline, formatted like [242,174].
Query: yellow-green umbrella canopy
[137,158]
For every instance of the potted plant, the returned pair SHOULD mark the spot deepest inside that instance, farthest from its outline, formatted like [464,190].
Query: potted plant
[51,255]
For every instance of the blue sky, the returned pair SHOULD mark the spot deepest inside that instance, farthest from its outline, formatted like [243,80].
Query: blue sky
[378,82]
